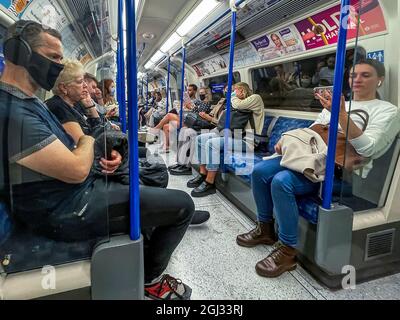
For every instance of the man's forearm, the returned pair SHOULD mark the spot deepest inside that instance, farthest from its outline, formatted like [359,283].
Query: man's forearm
[85,151]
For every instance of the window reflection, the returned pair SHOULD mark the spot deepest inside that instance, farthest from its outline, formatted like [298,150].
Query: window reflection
[290,86]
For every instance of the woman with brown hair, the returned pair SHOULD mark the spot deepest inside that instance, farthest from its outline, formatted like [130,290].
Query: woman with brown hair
[107,86]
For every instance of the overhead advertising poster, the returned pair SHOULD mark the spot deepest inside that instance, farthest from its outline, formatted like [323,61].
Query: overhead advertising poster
[323,28]
[47,12]
[244,55]
[210,66]
[15,7]
[81,54]
[70,42]
[279,43]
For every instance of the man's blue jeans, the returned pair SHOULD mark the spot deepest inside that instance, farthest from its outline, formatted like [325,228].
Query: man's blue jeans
[210,147]
[275,189]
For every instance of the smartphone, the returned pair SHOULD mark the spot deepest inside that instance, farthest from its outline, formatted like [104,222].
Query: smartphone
[321,90]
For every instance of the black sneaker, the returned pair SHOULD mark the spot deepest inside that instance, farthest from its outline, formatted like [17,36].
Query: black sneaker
[174,166]
[205,189]
[195,182]
[168,288]
[199,218]
[181,171]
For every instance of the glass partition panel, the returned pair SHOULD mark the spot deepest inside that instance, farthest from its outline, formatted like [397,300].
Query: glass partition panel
[176,72]
[369,122]
[55,133]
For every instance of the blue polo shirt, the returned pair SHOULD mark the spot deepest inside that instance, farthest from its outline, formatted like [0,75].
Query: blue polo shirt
[27,126]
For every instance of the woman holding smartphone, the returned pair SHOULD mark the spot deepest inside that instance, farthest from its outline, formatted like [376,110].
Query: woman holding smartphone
[107,86]
[275,187]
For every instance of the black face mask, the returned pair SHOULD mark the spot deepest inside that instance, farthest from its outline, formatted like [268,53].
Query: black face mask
[44,71]
[202,97]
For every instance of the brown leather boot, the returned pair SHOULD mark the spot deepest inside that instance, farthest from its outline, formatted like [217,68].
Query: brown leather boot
[264,233]
[281,259]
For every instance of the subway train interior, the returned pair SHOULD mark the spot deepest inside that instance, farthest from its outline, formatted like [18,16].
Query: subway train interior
[199,149]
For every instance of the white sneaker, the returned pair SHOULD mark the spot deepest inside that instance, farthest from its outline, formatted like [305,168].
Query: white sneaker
[150,138]
[146,137]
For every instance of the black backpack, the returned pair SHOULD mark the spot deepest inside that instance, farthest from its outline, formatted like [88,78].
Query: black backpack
[239,119]
[153,172]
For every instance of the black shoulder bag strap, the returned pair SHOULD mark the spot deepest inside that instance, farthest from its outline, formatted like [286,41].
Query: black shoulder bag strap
[6,163]
[363,115]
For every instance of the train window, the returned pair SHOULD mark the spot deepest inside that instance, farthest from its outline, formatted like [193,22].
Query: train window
[217,84]
[290,86]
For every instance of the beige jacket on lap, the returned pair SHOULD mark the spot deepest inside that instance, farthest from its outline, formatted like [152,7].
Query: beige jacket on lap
[304,151]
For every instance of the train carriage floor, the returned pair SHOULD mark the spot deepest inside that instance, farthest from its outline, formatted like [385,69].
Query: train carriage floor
[209,260]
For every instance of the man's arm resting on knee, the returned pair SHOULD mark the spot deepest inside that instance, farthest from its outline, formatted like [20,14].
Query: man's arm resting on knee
[57,161]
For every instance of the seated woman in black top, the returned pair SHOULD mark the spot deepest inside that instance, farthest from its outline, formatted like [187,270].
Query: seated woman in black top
[76,110]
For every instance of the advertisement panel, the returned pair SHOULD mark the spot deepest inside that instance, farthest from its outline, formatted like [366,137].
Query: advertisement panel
[210,66]
[15,7]
[323,28]
[279,43]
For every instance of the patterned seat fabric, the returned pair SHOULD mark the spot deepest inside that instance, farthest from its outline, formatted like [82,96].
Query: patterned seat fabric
[283,125]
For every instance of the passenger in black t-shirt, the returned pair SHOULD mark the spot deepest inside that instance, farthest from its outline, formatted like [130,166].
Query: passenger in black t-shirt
[76,110]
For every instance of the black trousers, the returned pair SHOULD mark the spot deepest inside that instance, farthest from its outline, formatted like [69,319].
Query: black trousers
[165,215]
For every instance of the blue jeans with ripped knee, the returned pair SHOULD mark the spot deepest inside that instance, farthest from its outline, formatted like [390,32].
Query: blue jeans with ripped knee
[275,189]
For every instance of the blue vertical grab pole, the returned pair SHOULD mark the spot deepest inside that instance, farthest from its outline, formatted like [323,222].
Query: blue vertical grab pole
[182,84]
[133,122]
[227,132]
[121,68]
[147,92]
[337,94]
[168,78]
[231,62]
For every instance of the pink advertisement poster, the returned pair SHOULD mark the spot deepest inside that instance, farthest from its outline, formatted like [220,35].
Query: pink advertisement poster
[372,21]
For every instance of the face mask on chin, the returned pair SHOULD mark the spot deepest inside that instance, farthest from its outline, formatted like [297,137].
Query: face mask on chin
[44,71]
